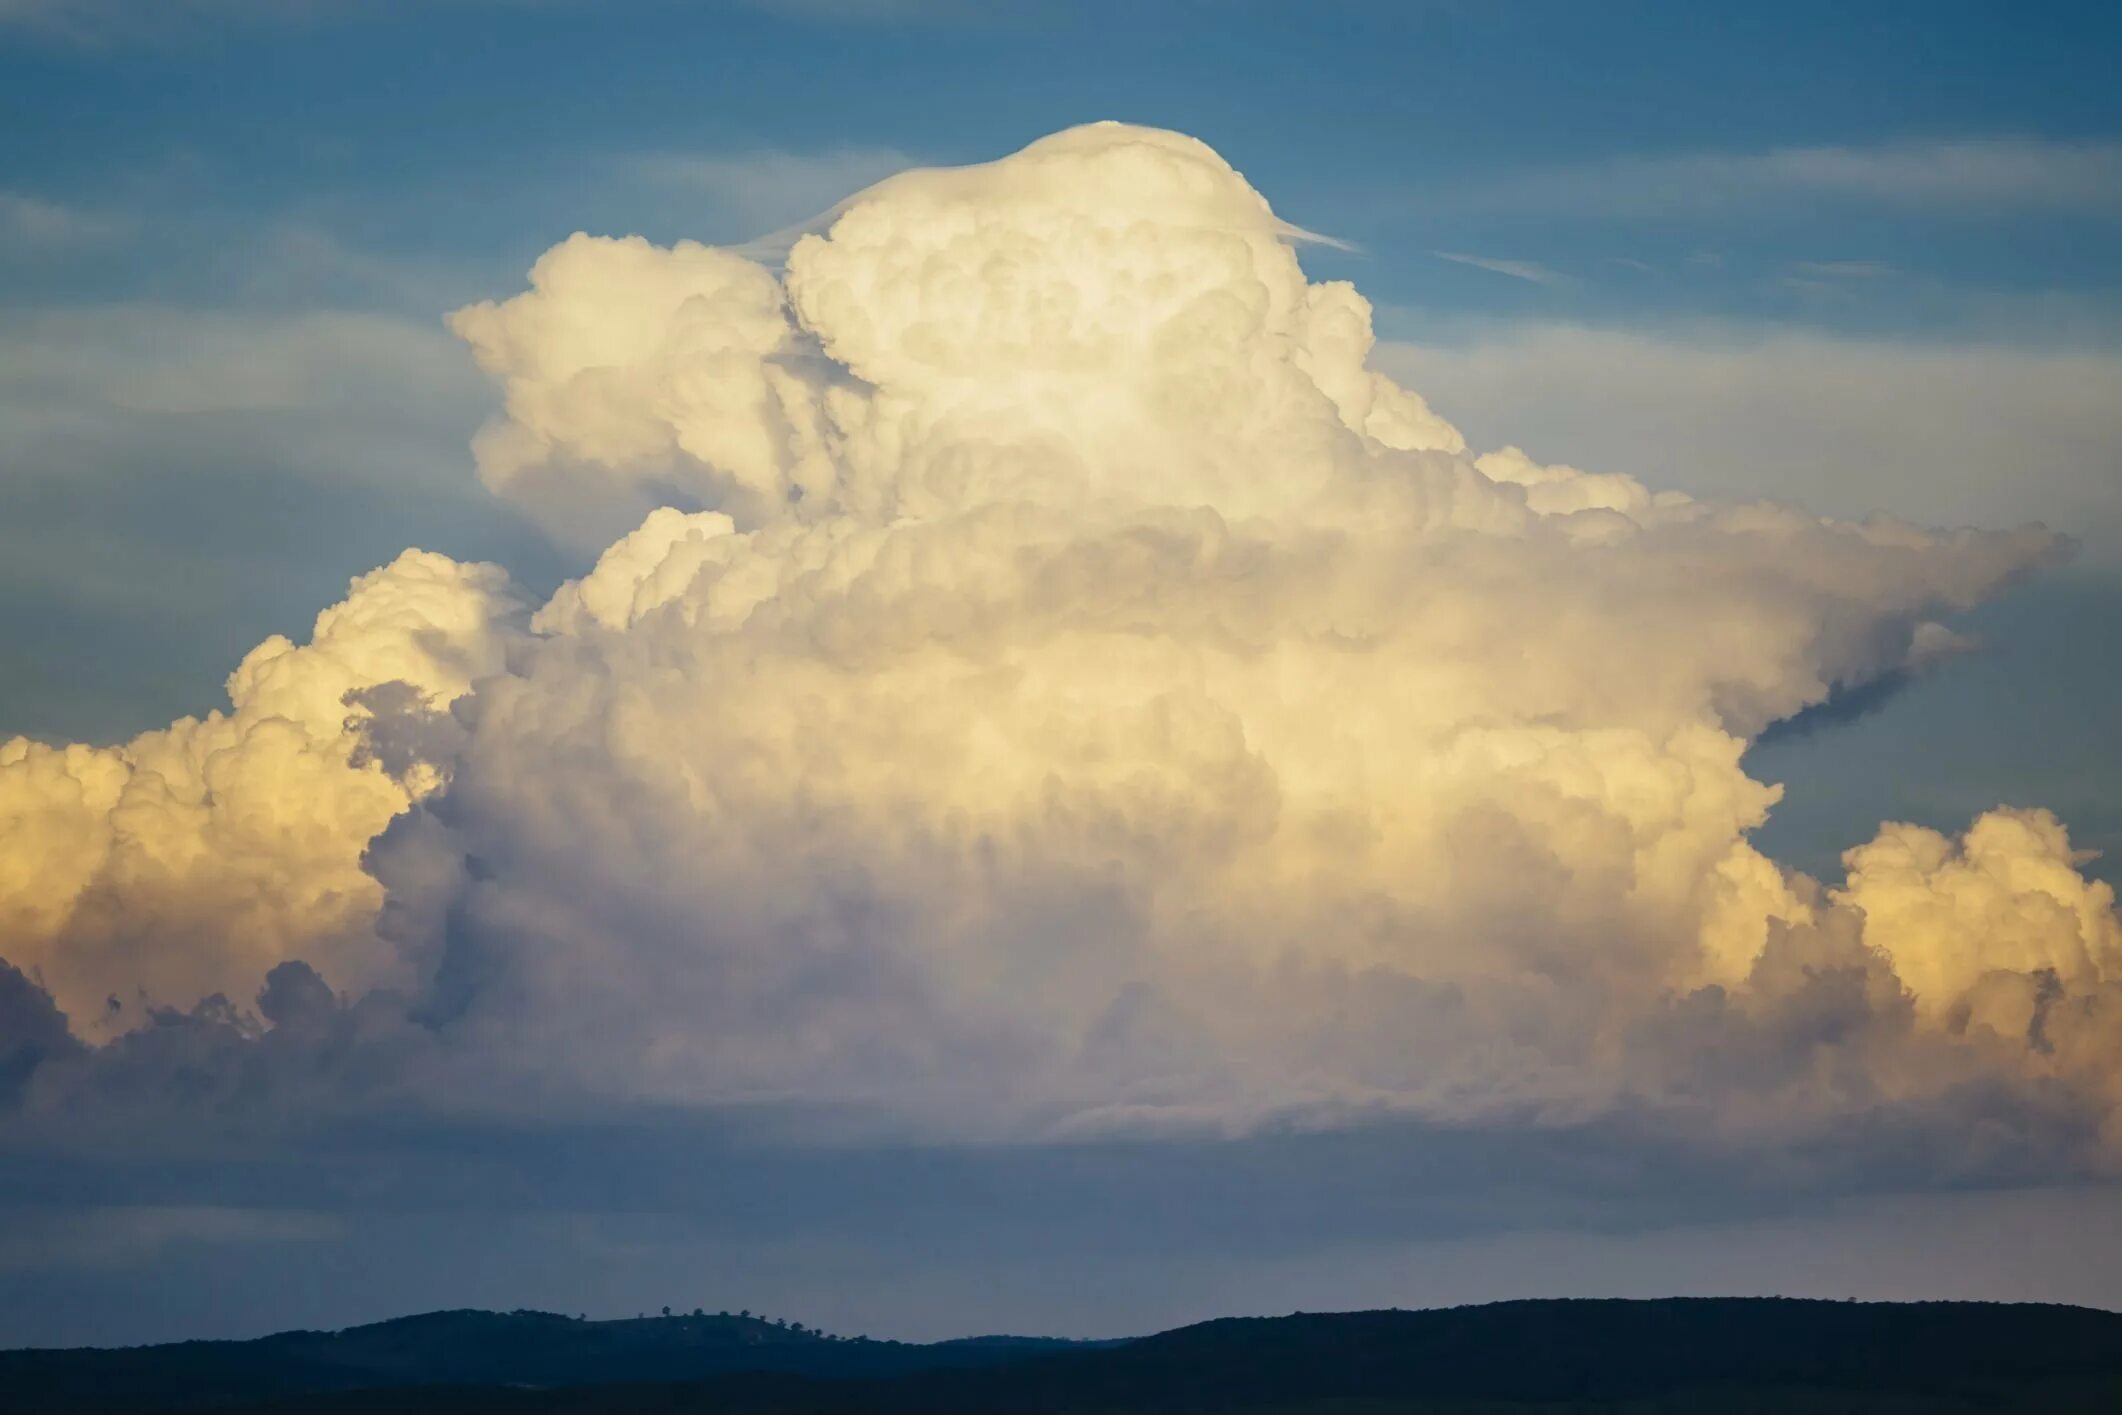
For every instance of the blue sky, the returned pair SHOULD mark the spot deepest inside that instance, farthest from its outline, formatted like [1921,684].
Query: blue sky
[469,132]
[1861,256]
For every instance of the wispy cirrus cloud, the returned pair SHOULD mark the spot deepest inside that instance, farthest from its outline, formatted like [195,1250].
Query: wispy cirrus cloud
[1844,269]
[1516,269]
[1969,174]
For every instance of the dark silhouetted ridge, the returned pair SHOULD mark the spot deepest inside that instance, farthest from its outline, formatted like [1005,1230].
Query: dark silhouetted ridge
[460,1348]
[1727,1355]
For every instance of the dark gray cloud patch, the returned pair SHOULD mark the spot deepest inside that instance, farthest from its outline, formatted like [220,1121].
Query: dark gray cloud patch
[33,1032]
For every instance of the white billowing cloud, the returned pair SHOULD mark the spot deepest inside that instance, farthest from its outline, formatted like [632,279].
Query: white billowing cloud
[1032,328]
[634,373]
[191,860]
[2007,902]
[1070,691]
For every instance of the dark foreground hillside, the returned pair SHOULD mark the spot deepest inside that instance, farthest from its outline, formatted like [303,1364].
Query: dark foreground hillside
[464,1349]
[1731,1356]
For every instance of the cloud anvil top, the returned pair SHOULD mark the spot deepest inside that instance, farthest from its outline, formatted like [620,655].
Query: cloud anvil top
[1040,682]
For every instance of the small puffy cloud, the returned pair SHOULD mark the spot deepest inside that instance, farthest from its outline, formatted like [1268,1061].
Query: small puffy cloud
[1042,680]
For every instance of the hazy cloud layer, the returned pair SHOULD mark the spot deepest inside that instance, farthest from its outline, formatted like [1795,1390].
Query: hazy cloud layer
[1079,1247]
[32,224]
[1042,682]
[1948,432]
[132,1236]
[106,22]
[175,483]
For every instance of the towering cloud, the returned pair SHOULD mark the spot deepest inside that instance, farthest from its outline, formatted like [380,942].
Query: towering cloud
[1047,684]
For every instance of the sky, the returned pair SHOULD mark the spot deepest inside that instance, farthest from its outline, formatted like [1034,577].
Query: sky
[982,740]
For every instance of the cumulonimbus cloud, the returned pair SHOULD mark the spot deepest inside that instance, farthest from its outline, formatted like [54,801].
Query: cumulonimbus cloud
[1051,685]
